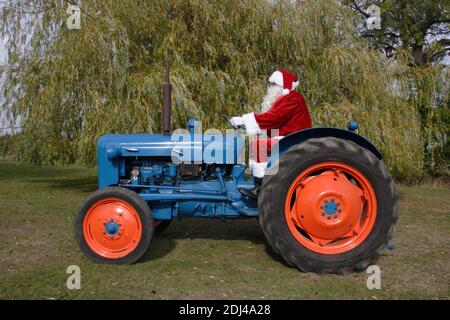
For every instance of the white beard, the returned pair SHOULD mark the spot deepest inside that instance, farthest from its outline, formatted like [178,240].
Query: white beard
[272,94]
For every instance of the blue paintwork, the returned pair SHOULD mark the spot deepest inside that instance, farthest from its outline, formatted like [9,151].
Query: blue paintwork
[157,158]
[192,124]
[330,207]
[352,126]
[112,228]
[198,198]
[112,149]
[389,246]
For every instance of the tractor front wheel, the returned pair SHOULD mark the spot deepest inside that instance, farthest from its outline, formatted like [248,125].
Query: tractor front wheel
[114,226]
[329,208]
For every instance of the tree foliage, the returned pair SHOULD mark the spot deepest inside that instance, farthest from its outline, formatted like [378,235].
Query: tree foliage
[421,27]
[70,86]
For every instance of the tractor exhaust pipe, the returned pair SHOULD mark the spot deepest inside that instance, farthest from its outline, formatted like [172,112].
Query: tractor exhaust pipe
[167,102]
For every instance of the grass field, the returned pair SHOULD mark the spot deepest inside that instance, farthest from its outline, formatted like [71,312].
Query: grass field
[200,259]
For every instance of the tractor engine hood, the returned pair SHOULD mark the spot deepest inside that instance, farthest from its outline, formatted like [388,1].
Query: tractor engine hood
[135,145]
[113,149]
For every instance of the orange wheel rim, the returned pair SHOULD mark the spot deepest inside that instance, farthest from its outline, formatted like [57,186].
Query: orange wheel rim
[112,228]
[331,208]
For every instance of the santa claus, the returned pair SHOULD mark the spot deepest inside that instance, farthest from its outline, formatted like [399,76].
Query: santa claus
[283,108]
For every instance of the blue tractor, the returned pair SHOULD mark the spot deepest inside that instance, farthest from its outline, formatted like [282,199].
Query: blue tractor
[327,203]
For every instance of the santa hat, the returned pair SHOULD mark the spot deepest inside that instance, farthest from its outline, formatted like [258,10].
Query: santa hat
[285,79]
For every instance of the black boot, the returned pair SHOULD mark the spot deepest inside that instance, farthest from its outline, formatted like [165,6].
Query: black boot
[252,193]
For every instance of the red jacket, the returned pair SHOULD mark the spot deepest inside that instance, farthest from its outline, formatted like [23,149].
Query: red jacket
[289,113]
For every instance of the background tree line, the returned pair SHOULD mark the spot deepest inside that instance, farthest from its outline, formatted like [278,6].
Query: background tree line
[68,87]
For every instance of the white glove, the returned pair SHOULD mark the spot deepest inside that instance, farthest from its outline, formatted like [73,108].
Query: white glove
[236,122]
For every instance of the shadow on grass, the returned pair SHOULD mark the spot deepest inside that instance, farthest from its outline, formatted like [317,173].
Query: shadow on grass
[216,229]
[159,248]
[18,170]
[211,229]
[82,184]
[79,184]
[203,228]
[275,256]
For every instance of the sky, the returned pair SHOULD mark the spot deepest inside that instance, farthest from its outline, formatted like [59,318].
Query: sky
[2,52]
[2,46]
[2,61]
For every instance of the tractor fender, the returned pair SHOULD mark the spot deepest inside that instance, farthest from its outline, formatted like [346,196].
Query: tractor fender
[322,132]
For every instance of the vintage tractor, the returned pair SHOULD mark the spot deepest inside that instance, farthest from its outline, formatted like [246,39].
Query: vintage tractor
[327,203]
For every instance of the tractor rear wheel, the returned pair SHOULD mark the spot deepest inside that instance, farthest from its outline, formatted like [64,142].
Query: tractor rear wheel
[114,226]
[329,208]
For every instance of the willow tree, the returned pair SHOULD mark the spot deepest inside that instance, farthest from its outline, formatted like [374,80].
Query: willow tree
[70,86]
[422,28]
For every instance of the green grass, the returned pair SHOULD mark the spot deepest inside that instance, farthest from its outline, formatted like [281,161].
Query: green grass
[196,258]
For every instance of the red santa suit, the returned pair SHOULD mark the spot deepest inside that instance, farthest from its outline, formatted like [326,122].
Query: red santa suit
[289,113]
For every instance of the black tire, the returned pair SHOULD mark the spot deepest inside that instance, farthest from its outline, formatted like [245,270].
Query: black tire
[161,225]
[141,208]
[275,187]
